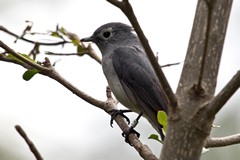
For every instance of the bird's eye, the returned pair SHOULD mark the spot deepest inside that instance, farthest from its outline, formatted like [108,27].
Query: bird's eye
[106,34]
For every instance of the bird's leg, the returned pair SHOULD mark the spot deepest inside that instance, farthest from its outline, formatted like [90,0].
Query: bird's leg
[119,112]
[131,129]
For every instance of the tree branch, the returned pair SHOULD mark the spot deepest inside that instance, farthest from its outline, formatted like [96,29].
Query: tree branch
[198,82]
[224,95]
[52,73]
[29,142]
[31,41]
[56,76]
[202,61]
[86,50]
[20,57]
[60,54]
[6,59]
[222,141]
[142,149]
[126,7]
[107,106]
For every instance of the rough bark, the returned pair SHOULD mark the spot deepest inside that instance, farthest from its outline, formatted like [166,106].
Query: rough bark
[189,125]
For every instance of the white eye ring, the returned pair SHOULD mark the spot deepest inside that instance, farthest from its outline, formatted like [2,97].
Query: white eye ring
[107,33]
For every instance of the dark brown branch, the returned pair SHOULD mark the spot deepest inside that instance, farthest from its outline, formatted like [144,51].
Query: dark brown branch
[29,142]
[56,76]
[87,51]
[31,41]
[222,141]
[126,7]
[224,95]
[171,64]
[61,54]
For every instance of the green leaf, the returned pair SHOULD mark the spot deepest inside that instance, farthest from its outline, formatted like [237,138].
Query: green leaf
[29,74]
[15,58]
[155,137]
[162,119]
[63,31]
[56,34]
[29,58]
[75,42]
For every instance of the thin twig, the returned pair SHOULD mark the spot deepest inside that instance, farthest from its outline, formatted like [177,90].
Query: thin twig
[171,64]
[31,41]
[87,51]
[27,61]
[222,141]
[60,54]
[29,142]
[56,76]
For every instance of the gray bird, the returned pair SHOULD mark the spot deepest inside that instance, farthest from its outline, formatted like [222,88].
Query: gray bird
[129,72]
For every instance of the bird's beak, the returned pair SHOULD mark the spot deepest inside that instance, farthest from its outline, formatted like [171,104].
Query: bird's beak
[87,39]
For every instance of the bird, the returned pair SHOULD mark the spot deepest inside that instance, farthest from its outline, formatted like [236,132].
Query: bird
[129,72]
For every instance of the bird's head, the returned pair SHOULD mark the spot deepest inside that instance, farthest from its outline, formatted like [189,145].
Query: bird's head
[112,35]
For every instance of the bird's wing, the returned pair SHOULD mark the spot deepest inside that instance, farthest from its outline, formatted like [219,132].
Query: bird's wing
[138,78]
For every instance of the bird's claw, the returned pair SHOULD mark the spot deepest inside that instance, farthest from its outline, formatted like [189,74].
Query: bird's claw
[120,112]
[126,134]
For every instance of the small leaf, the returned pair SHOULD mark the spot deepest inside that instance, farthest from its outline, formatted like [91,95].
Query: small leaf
[29,74]
[162,119]
[15,58]
[56,34]
[75,42]
[29,58]
[63,31]
[155,137]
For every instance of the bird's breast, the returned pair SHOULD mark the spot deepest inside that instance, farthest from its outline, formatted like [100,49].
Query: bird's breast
[115,84]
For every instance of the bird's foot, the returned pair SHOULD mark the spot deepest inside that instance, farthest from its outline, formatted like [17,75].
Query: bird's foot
[126,134]
[120,112]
